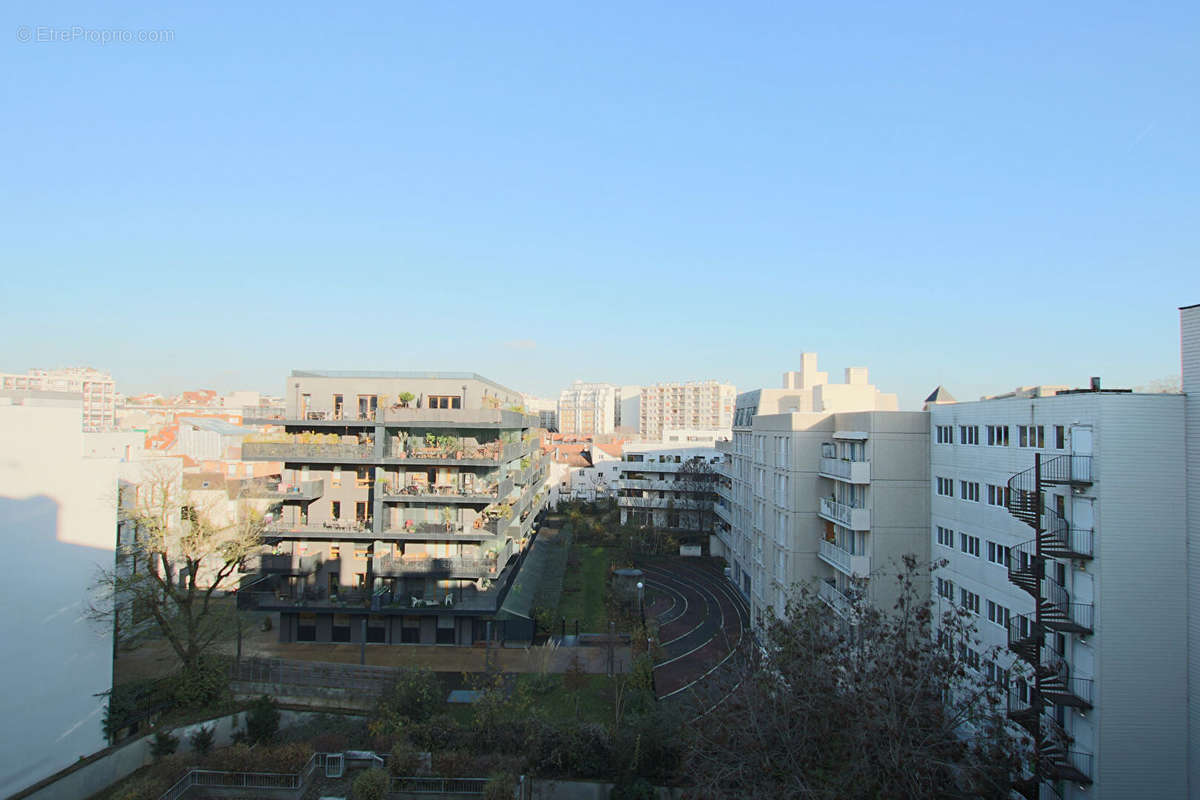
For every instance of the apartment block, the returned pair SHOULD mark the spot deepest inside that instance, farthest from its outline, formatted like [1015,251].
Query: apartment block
[669,488]
[1059,515]
[821,485]
[97,389]
[1189,325]
[694,405]
[587,409]
[407,504]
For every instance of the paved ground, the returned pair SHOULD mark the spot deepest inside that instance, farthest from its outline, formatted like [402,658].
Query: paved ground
[702,622]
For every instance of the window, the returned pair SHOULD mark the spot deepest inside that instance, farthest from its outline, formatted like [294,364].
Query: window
[968,544]
[997,554]
[996,675]
[336,478]
[997,435]
[945,434]
[968,434]
[362,551]
[972,658]
[335,510]
[945,536]
[335,552]
[969,600]
[362,477]
[997,495]
[997,614]
[1031,436]
[1060,437]
[443,401]
[341,628]
[945,487]
[969,490]
[945,588]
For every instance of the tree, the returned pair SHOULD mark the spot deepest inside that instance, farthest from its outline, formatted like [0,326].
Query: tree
[872,705]
[695,487]
[175,553]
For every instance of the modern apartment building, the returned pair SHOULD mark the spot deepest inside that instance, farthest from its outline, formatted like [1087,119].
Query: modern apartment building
[670,488]
[587,409]
[98,390]
[407,504]
[694,405]
[1061,518]
[823,484]
[544,408]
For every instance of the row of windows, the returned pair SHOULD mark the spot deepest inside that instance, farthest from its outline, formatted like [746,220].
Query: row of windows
[996,613]
[969,490]
[998,435]
[971,545]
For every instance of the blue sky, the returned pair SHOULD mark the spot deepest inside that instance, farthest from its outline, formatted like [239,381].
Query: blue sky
[968,194]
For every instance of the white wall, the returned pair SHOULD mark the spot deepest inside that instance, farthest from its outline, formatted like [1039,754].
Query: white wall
[58,521]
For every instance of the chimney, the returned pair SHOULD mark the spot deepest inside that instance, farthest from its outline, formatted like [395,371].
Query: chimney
[1095,383]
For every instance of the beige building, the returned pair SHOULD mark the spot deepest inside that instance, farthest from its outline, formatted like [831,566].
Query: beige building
[587,409]
[694,405]
[97,389]
[822,484]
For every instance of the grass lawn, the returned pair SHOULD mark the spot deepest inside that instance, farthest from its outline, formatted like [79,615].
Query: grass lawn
[584,587]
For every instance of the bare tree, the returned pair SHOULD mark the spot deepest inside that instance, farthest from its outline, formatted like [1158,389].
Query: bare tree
[865,706]
[695,487]
[177,552]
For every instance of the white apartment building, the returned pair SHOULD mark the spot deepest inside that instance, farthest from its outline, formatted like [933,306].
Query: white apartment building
[98,390]
[823,484]
[1061,522]
[694,405]
[668,487]
[1189,324]
[629,404]
[587,409]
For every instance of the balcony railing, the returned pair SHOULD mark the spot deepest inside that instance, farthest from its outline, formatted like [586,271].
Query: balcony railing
[326,529]
[858,566]
[275,490]
[314,452]
[393,566]
[848,471]
[466,417]
[856,519]
[839,602]
[488,454]
[422,492]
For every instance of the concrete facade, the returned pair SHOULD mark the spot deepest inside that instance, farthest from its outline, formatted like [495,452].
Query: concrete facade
[811,493]
[693,405]
[587,409]
[398,521]
[1108,626]
[668,487]
[1189,334]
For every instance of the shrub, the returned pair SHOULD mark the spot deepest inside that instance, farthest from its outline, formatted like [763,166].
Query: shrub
[500,787]
[204,684]
[416,694]
[202,740]
[405,759]
[163,745]
[637,789]
[371,784]
[262,720]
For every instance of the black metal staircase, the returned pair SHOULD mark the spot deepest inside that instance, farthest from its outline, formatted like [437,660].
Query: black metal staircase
[1054,613]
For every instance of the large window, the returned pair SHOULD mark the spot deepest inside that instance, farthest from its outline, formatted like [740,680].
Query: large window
[945,537]
[444,401]
[968,434]
[969,490]
[997,435]
[945,487]
[1031,436]
[945,434]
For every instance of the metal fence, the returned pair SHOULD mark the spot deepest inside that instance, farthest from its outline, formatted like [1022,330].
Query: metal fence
[219,779]
[415,785]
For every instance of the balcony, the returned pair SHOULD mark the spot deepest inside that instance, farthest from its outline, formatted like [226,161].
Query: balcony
[847,471]
[304,491]
[330,531]
[724,512]
[423,493]
[457,417]
[490,454]
[856,519]
[858,566]
[287,564]
[1072,765]
[313,453]
[469,568]
[840,603]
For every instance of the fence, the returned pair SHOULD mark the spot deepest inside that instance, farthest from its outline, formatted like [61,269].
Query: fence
[217,779]
[372,680]
[414,785]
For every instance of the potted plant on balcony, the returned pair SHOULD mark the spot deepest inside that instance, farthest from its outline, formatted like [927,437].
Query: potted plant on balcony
[405,398]
[448,518]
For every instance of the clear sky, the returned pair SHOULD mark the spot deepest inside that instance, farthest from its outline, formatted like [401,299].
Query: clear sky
[979,195]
